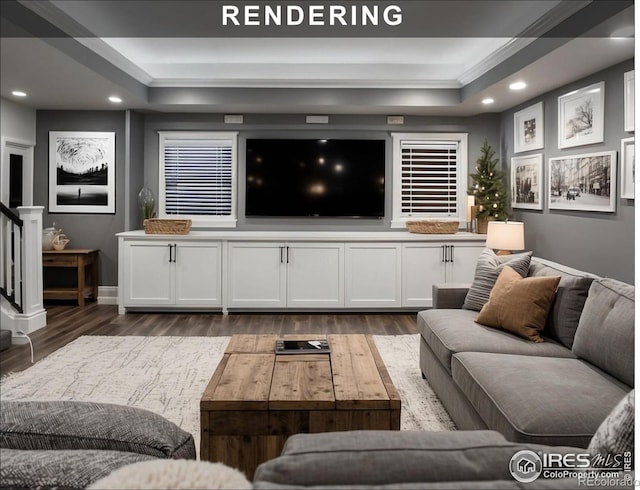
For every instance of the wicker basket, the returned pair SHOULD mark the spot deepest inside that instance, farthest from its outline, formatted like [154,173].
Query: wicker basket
[157,226]
[432,226]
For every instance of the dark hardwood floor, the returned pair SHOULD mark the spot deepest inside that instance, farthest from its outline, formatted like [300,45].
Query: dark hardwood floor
[66,323]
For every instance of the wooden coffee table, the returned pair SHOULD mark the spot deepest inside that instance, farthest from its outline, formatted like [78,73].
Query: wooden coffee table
[256,399]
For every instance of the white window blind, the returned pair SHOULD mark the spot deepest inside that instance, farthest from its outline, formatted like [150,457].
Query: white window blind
[197,175]
[429,176]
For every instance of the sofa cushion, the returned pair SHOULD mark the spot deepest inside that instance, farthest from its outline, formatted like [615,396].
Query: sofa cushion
[605,334]
[86,425]
[70,468]
[488,269]
[571,295]
[450,331]
[614,437]
[556,402]
[380,458]
[519,305]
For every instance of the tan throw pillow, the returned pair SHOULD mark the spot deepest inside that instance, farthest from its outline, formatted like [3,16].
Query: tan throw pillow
[519,304]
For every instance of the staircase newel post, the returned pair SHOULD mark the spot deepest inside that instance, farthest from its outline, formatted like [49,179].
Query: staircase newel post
[32,259]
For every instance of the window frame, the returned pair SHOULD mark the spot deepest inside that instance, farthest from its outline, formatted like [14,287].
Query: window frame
[398,219]
[199,221]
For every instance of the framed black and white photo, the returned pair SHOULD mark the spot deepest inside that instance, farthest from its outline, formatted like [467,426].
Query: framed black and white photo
[528,129]
[581,116]
[526,182]
[629,100]
[627,168]
[583,182]
[82,172]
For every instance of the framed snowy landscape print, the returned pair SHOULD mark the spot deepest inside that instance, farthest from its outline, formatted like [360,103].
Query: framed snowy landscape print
[581,116]
[82,170]
[528,129]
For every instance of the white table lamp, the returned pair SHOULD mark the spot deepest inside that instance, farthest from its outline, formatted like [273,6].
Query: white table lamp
[505,236]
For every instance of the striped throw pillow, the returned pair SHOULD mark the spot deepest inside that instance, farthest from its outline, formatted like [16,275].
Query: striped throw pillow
[488,269]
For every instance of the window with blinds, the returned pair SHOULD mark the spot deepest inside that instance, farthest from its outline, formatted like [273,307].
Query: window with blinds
[430,176]
[197,175]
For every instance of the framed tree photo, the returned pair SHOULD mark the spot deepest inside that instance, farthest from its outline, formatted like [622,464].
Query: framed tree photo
[581,116]
[526,182]
[627,168]
[82,172]
[528,129]
[583,182]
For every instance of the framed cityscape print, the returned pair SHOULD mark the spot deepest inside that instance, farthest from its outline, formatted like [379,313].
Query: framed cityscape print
[528,129]
[627,168]
[82,172]
[583,182]
[581,116]
[526,182]
[629,100]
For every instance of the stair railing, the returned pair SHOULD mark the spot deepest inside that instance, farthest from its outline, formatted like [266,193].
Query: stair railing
[11,258]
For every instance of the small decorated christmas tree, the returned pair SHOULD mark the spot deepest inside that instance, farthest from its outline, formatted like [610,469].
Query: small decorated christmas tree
[489,187]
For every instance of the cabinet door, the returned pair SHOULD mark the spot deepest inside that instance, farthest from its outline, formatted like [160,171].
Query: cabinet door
[148,274]
[256,275]
[462,262]
[198,273]
[315,275]
[373,275]
[422,266]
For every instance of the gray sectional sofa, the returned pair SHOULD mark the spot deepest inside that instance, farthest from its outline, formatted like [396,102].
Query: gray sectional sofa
[547,398]
[556,392]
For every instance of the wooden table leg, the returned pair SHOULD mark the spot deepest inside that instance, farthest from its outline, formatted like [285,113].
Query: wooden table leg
[94,277]
[81,279]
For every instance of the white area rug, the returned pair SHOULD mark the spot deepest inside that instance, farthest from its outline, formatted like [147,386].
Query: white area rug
[168,375]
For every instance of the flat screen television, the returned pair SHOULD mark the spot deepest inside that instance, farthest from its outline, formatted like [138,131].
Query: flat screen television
[315,177]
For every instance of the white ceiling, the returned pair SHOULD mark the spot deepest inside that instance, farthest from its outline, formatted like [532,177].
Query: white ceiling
[58,75]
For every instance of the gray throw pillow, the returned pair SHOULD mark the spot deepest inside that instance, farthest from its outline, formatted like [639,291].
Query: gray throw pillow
[566,309]
[488,269]
[615,434]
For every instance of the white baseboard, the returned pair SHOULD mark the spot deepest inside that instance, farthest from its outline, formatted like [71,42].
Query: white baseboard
[108,295]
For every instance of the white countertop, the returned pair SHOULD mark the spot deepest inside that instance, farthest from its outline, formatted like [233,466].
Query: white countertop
[310,236]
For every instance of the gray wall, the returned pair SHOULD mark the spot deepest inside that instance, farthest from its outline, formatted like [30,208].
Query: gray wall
[84,230]
[294,126]
[602,243]
[17,122]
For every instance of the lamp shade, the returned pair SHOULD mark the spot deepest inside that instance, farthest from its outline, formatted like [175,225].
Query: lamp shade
[505,235]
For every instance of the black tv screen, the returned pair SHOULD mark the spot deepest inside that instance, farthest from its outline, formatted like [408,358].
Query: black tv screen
[305,177]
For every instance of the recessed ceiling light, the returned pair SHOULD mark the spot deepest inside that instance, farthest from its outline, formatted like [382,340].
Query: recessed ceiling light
[517,85]
[19,93]
[487,101]
[115,99]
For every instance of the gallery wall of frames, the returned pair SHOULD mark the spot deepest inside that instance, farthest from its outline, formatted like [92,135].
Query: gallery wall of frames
[581,179]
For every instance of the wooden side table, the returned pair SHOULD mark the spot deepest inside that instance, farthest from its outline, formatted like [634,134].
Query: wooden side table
[82,259]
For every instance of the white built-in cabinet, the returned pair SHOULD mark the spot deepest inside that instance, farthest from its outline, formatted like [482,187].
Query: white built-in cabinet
[270,270]
[171,273]
[373,275]
[303,275]
[426,264]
